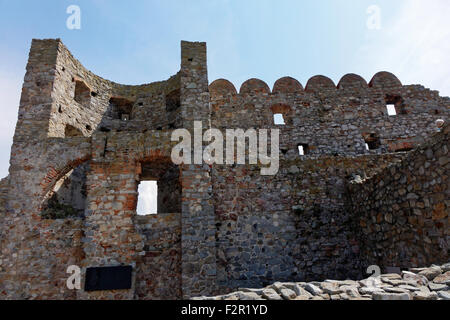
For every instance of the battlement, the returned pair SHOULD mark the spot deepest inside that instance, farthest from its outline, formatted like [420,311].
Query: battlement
[383,80]
[351,118]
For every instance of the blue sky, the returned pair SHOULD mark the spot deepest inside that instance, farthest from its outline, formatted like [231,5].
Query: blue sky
[135,42]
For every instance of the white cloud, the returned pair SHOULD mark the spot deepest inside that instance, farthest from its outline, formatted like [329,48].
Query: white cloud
[414,45]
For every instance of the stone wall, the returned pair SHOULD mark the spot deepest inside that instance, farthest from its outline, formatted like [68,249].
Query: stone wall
[278,228]
[59,244]
[4,187]
[198,242]
[146,103]
[403,210]
[225,226]
[26,243]
[330,120]
[43,154]
[159,269]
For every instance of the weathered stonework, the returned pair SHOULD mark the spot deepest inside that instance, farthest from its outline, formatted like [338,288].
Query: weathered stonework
[403,210]
[82,145]
[415,284]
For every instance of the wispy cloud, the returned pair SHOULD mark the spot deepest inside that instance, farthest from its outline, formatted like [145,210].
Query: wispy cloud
[414,45]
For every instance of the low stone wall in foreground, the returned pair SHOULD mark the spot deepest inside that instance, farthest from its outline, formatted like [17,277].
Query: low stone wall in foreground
[431,283]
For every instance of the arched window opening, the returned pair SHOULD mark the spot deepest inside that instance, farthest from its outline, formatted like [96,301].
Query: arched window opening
[281,114]
[159,189]
[67,199]
[148,198]
[395,105]
[391,110]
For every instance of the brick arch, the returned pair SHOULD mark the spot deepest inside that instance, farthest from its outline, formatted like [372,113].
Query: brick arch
[154,155]
[221,87]
[281,108]
[55,174]
[285,110]
[351,81]
[385,79]
[287,85]
[254,86]
[154,158]
[319,82]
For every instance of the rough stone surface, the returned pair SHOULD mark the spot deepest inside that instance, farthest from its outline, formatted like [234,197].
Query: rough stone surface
[288,294]
[370,189]
[311,288]
[444,295]
[414,278]
[431,273]
[270,294]
[390,296]
[368,289]
[443,278]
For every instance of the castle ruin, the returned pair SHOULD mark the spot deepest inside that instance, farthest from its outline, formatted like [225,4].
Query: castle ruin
[356,186]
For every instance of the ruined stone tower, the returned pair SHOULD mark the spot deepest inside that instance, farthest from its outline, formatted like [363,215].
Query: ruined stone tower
[356,186]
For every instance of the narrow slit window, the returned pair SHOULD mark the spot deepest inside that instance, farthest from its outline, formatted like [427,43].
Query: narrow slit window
[303,149]
[391,109]
[278,119]
[148,198]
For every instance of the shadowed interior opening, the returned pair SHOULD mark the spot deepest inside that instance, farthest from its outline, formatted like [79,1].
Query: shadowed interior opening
[159,188]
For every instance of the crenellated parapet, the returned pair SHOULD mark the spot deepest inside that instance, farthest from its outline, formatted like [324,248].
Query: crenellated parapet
[352,81]
[316,84]
[221,88]
[383,80]
[287,85]
[353,117]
